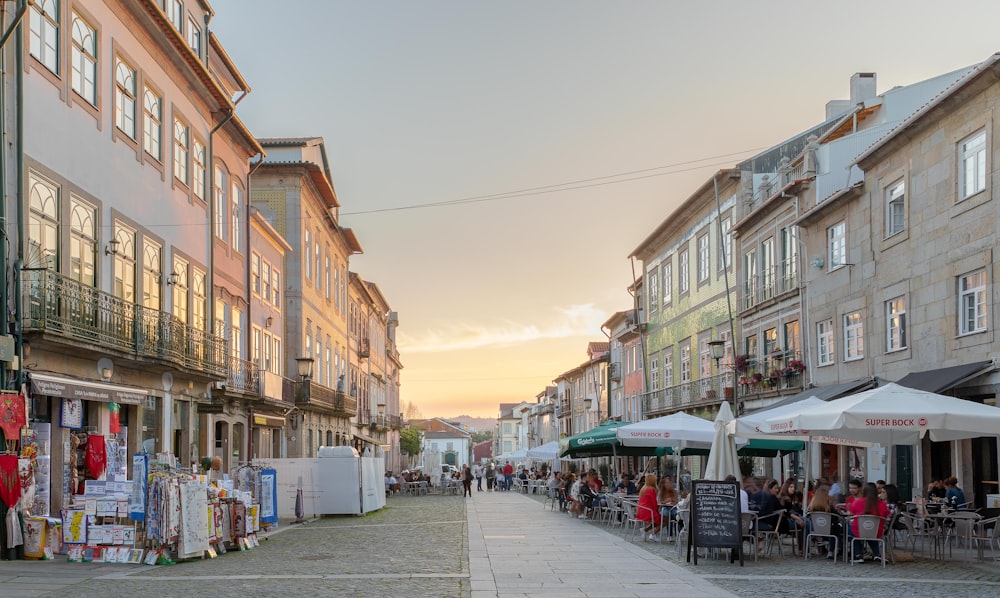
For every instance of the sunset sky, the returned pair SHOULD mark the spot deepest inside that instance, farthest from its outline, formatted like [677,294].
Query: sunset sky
[500,160]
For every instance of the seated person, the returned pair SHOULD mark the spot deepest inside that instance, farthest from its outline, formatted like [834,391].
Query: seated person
[954,496]
[649,511]
[868,504]
[853,493]
[626,486]
[936,491]
[767,505]
[585,495]
[666,497]
[821,502]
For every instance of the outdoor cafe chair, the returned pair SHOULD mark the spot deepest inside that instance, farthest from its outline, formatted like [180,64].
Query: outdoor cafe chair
[822,527]
[684,529]
[631,523]
[551,499]
[961,529]
[658,534]
[748,523]
[614,510]
[772,536]
[868,532]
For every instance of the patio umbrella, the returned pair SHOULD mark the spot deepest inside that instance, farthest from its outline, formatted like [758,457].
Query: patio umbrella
[669,430]
[549,450]
[722,459]
[601,441]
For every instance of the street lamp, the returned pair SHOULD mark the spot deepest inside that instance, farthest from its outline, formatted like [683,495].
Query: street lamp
[305,367]
[718,351]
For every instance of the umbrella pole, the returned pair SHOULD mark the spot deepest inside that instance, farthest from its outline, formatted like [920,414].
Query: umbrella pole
[805,490]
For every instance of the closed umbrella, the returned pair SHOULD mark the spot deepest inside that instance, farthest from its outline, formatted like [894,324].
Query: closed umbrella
[722,459]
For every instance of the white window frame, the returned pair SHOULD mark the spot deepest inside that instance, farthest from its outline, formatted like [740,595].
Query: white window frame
[220,203]
[125,97]
[44,33]
[654,372]
[194,36]
[307,254]
[152,123]
[666,282]
[704,258]
[84,59]
[895,208]
[836,243]
[824,343]
[972,302]
[684,272]
[668,367]
[686,363]
[198,169]
[725,255]
[182,145]
[255,273]
[854,336]
[236,194]
[972,165]
[895,324]
[653,289]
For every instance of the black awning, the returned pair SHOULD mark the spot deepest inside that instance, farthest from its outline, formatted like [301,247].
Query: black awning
[943,379]
[824,393]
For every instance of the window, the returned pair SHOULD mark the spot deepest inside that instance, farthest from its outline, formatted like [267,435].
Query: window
[44,36]
[854,343]
[180,289]
[895,209]
[198,170]
[308,253]
[83,242]
[895,324]
[686,363]
[704,258]
[194,36]
[275,288]
[972,302]
[653,284]
[836,246]
[668,367]
[125,90]
[236,334]
[181,146]
[175,14]
[668,284]
[125,263]
[972,163]
[767,267]
[725,256]
[750,278]
[151,271]
[199,300]
[329,290]
[237,195]
[792,346]
[824,337]
[654,371]
[43,224]
[152,117]
[319,358]
[256,335]
[220,203]
[336,294]
[704,358]
[684,274]
[265,275]
[789,259]
[255,273]
[770,341]
[84,59]
[316,256]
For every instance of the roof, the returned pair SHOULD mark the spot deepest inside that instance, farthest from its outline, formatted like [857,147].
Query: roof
[960,84]
[289,141]
[944,379]
[316,175]
[597,348]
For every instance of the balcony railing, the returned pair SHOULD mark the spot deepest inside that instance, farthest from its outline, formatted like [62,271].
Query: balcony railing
[58,305]
[780,278]
[704,391]
[337,403]
[243,376]
[395,421]
[364,348]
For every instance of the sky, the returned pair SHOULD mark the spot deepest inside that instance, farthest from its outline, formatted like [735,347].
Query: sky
[500,161]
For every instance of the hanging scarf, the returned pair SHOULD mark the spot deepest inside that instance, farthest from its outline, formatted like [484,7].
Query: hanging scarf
[14,536]
[96,458]
[115,424]
[10,480]
[12,416]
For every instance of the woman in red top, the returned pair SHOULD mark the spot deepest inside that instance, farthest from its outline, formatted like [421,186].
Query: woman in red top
[649,508]
[868,504]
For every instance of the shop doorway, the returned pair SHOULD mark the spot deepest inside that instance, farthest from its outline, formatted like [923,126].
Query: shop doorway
[940,460]
[984,469]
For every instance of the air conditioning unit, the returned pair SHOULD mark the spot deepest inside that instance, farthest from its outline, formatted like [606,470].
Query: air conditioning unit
[614,371]
[219,385]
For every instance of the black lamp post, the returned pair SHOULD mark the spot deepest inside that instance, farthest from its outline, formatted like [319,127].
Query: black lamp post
[305,367]
[718,350]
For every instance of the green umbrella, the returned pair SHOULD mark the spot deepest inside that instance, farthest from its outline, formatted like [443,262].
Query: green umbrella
[602,441]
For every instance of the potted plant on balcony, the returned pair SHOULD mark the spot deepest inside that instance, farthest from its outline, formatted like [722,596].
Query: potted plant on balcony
[773,377]
[741,364]
[757,379]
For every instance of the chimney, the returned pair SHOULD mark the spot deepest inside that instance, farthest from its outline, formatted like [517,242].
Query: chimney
[862,87]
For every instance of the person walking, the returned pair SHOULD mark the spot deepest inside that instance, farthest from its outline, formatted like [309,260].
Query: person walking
[479,477]
[508,475]
[491,477]
[467,481]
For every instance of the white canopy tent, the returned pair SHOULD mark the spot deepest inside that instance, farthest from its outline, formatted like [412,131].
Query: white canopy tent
[890,415]
[548,451]
[722,458]
[669,430]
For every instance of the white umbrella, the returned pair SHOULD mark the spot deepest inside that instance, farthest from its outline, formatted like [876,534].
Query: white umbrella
[722,459]
[753,425]
[549,450]
[891,414]
[669,430]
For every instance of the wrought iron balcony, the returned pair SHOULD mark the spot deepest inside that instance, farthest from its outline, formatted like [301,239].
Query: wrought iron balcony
[319,397]
[60,306]
[702,392]
[243,377]
[395,421]
[364,347]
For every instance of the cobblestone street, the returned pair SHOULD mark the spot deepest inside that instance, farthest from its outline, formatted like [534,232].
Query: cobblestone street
[419,546]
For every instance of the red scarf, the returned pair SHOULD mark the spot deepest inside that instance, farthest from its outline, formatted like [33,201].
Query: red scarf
[96,456]
[12,416]
[10,481]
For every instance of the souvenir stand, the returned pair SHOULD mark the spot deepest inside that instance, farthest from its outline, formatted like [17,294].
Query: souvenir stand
[17,491]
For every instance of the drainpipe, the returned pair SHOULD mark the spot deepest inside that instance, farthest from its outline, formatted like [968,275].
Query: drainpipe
[19,178]
[246,285]
[729,298]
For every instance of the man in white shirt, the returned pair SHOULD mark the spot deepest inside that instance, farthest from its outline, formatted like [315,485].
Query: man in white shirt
[478,472]
[744,497]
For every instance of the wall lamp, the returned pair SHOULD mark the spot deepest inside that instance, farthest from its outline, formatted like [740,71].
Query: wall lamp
[172,278]
[112,247]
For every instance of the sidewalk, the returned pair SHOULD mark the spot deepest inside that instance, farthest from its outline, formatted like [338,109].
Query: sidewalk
[518,548]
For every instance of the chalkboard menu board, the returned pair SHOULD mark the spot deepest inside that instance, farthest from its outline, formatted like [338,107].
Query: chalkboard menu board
[715,517]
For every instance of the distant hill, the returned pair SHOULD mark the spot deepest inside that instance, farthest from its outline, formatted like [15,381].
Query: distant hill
[479,424]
